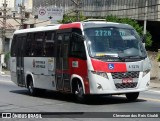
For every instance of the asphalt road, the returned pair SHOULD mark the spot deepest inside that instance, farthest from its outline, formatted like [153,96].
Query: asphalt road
[16,99]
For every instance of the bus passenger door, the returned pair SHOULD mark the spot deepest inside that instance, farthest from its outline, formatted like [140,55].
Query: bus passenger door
[62,65]
[20,60]
[65,64]
[59,73]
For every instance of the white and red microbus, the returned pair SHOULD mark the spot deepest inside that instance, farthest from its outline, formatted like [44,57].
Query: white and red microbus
[84,58]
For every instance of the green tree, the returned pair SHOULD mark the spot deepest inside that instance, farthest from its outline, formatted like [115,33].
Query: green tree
[68,19]
[136,26]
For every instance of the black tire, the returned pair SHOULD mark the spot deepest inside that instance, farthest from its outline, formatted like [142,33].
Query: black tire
[132,96]
[79,92]
[31,89]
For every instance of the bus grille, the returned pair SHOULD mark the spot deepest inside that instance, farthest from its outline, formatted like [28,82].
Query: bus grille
[130,74]
[125,85]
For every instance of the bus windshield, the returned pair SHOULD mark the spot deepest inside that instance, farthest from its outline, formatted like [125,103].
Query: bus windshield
[115,42]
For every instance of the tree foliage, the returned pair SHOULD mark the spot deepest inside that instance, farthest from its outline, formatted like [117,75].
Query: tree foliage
[136,26]
[68,19]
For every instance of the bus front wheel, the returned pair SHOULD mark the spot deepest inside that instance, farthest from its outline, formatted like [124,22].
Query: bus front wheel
[79,92]
[132,96]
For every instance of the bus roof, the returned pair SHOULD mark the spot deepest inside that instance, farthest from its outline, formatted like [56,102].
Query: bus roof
[37,29]
[105,24]
[85,25]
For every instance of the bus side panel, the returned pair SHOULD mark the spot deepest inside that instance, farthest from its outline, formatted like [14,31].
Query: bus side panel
[13,69]
[79,67]
[43,71]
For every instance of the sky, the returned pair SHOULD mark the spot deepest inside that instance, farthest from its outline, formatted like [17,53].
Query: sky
[19,1]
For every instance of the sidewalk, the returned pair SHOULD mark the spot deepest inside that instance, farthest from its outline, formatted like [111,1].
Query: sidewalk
[5,72]
[155,84]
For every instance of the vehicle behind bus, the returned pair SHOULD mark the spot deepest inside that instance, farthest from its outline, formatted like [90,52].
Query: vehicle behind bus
[83,58]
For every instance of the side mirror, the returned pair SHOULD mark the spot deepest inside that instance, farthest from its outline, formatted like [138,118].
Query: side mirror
[143,38]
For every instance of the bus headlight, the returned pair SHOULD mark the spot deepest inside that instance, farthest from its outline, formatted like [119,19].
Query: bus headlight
[103,74]
[146,72]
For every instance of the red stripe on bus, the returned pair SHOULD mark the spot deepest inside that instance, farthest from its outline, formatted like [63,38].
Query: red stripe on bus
[79,67]
[71,25]
[108,66]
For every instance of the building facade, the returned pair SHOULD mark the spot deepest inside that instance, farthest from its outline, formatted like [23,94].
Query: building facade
[28,4]
[10,3]
[134,9]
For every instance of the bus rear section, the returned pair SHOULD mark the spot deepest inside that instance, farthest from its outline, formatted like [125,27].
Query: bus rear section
[87,58]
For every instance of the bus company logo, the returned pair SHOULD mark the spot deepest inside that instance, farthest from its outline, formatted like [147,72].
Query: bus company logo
[34,63]
[75,64]
[6,115]
[110,66]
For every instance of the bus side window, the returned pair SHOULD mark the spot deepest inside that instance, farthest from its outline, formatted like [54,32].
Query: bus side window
[49,45]
[38,44]
[29,45]
[77,47]
[14,47]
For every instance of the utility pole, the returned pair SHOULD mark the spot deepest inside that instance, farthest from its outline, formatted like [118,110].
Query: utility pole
[145,19]
[78,10]
[4,10]
[22,11]
[4,25]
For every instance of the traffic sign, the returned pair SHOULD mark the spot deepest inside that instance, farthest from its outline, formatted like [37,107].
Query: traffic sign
[50,13]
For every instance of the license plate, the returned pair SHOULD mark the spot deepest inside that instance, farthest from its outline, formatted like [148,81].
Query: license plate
[127,80]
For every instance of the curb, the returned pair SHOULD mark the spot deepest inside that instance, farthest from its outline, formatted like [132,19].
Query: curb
[155,85]
[5,75]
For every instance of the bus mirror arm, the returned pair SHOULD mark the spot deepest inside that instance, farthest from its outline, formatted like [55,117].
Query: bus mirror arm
[81,36]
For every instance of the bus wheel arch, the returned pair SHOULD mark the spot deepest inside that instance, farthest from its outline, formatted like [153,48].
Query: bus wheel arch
[78,90]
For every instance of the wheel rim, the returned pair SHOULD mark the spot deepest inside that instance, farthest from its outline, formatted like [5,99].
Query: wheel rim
[30,88]
[79,91]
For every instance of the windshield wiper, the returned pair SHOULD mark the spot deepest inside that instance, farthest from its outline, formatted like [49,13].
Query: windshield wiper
[132,57]
[105,56]
[109,57]
[121,58]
